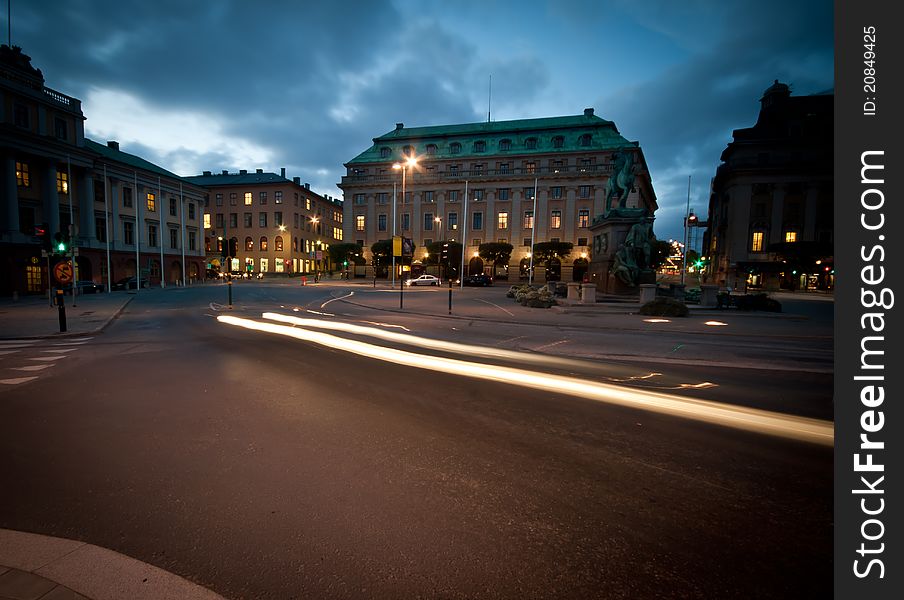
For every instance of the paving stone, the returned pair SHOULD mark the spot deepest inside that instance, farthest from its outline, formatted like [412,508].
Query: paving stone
[19,585]
[62,593]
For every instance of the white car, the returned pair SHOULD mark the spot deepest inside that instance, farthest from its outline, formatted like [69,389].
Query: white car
[424,280]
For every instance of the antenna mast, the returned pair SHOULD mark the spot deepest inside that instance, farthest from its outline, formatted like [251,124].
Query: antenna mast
[489,98]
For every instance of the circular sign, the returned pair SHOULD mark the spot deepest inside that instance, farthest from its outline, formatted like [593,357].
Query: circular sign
[63,272]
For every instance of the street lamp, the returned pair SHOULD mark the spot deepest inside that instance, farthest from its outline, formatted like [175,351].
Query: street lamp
[409,162]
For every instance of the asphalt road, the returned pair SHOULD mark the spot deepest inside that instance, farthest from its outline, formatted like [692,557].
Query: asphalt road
[263,466]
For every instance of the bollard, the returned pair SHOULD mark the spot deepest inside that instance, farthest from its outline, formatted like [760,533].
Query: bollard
[61,305]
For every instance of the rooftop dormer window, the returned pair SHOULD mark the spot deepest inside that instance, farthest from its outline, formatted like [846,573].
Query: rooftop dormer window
[385,152]
[480,146]
[455,148]
[505,144]
[530,143]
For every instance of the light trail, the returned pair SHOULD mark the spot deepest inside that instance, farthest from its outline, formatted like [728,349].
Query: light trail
[749,419]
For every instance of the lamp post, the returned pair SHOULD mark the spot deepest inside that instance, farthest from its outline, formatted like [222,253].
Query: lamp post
[686,214]
[404,166]
[314,221]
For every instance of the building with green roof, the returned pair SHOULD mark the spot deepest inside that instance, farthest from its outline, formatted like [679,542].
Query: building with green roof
[475,183]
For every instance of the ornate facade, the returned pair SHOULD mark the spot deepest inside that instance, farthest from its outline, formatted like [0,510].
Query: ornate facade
[475,183]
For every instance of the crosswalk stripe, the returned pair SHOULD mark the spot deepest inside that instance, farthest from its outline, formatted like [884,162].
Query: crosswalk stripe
[46,358]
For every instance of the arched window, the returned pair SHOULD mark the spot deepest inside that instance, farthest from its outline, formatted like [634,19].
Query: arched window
[530,143]
[505,144]
[431,149]
[207,244]
[385,152]
[480,146]
[585,139]
[295,244]
[278,243]
[408,151]
[455,148]
[558,142]
[263,243]
[249,243]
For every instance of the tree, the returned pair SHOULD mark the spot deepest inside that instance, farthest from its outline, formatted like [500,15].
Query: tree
[382,253]
[495,253]
[546,251]
[340,253]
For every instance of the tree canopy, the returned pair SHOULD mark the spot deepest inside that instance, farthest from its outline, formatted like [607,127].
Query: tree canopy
[495,253]
[546,251]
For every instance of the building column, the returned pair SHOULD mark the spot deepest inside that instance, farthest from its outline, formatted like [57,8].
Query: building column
[51,199]
[87,225]
[809,224]
[11,191]
[776,232]
[113,216]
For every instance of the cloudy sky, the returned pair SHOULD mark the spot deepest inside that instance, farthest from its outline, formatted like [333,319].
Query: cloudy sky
[197,85]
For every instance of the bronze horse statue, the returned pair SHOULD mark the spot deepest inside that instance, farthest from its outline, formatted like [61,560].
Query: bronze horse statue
[621,180]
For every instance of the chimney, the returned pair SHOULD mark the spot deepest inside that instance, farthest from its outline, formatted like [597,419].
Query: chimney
[259,171]
[307,186]
[225,172]
[243,171]
[112,144]
[399,126]
[206,173]
[295,180]
[282,172]
[588,112]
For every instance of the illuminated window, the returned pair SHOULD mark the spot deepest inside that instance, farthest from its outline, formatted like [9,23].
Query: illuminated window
[263,243]
[152,202]
[756,243]
[249,243]
[528,221]
[247,198]
[307,203]
[62,182]
[530,167]
[502,220]
[206,221]
[584,217]
[555,220]
[359,222]
[22,178]
[279,244]
[277,197]
[790,236]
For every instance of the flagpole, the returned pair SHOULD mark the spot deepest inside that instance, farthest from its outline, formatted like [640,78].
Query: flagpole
[533,228]
[464,230]
[137,234]
[182,222]
[160,234]
[107,227]
[71,230]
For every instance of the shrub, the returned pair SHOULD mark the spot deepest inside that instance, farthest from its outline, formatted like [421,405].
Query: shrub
[664,307]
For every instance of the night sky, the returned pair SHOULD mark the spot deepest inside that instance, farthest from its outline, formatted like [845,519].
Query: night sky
[209,85]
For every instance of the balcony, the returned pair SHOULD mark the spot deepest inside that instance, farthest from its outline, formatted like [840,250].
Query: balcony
[546,173]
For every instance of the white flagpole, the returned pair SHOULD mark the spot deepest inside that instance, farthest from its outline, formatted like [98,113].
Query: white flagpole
[182,220]
[160,209]
[533,229]
[464,237]
[71,230]
[137,233]
[107,226]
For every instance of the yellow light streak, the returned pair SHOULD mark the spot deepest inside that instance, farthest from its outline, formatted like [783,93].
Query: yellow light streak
[749,419]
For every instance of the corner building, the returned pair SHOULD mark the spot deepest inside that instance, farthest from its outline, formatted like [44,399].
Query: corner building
[280,225]
[497,164]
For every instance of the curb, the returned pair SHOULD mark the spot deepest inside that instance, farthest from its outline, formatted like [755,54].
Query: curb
[58,335]
[94,572]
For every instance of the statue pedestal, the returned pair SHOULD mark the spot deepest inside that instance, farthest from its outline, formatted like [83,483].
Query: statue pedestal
[609,232]
[708,295]
[574,291]
[647,292]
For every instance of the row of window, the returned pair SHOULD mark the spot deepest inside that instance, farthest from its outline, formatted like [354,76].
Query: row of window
[128,235]
[479,146]
[757,240]
[502,220]
[308,246]
[262,219]
[23,179]
[528,167]
[262,198]
[479,195]
[475,242]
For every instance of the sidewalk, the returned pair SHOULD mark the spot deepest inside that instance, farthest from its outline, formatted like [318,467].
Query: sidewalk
[34,567]
[33,317]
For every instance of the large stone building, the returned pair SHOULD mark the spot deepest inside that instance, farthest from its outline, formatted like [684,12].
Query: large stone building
[474,183]
[279,225]
[125,215]
[771,222]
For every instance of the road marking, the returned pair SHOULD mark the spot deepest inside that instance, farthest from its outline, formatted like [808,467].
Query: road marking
[3,352]
[69,344]
[32,368]
[59,351]
[767,422]
[496,305]
[17,380]
[545,346]
[15,344]
[45,358]
[348,295]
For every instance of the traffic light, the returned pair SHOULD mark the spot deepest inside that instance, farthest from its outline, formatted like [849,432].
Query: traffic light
[61,243]
[444,254]
[43,233]
[233,247]
[224,248]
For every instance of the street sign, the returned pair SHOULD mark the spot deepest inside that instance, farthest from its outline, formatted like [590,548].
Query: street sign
[63,271]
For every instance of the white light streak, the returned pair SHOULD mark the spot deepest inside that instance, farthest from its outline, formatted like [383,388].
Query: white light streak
[749,419]
[715,323]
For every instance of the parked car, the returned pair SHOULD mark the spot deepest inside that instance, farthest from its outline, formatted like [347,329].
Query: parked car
[128,283]
[479,279]
[84,287]
[424,280]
